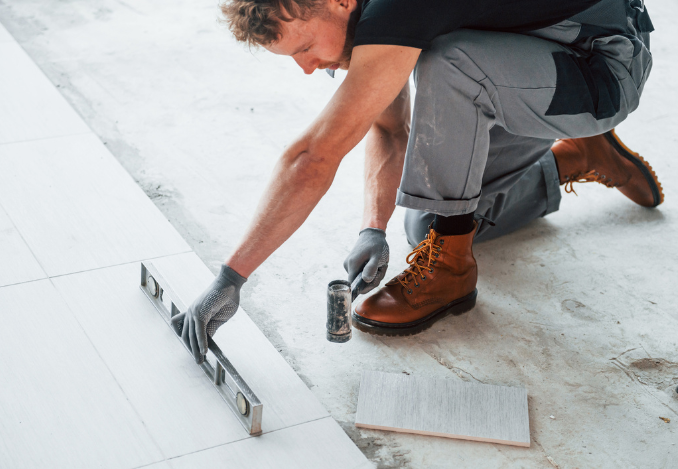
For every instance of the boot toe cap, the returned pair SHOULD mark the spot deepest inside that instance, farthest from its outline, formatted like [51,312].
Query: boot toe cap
[383,306]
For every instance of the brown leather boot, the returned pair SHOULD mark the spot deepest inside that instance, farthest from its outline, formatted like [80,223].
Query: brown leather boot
[440,280]
[606,160]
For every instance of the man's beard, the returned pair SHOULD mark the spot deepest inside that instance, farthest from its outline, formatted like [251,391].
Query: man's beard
[347,51]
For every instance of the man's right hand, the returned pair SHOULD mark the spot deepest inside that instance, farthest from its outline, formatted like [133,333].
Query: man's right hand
[216,305]
[369,257]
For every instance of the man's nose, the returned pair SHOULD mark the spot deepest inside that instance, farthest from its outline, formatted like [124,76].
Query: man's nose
[308,66]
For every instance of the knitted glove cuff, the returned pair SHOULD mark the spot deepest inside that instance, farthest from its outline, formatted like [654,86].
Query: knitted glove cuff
[232,276]
[376,231]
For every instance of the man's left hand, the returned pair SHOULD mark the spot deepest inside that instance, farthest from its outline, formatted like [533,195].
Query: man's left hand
[370,257]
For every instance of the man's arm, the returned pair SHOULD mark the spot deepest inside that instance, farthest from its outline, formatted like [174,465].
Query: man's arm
[384,158]
[306,170]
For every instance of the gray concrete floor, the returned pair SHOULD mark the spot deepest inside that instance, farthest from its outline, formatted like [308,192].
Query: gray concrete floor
[579,307]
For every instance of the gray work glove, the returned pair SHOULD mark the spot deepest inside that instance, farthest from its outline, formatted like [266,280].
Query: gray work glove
[209,311]
[369,257]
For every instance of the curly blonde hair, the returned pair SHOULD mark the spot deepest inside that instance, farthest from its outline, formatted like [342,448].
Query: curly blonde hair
[258,22]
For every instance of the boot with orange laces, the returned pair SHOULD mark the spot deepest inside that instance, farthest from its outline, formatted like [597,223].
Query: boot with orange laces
[606,160]
[440,280]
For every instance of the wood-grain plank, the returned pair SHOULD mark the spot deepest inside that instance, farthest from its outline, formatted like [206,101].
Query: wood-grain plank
[59,404]
[443,407]
[177,402]
[321,444]
[17,263]
[77,208]
[30,106]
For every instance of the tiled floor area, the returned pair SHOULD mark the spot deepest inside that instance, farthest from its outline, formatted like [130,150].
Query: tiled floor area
[90,374]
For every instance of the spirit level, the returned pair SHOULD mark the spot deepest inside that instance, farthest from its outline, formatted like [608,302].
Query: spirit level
[225,378]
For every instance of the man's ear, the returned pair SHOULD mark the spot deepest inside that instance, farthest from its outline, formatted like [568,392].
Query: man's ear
[344,6]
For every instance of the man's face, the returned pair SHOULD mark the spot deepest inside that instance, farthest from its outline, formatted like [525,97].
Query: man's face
[321,41]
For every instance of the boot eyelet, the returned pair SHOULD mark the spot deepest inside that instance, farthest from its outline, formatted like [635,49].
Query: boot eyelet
[436,254]
[433,262]
[603,176]
[596,174]
[430,271]
[423,277]
[442,241]
[416,285]
[409,292]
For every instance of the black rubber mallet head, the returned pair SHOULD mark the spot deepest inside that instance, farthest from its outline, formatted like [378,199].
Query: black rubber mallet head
[340,297]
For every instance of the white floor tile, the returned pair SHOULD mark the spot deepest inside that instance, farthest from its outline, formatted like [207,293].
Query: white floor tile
[177,402]
[77,208]
[5,36]
[321,444]
[17,263]
[180,407]
[30,106]
[158,465]
[59,404]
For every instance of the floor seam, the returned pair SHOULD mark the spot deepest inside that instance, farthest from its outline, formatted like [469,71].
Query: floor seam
[16,142]
[328,416]
[121,264]
[47,277]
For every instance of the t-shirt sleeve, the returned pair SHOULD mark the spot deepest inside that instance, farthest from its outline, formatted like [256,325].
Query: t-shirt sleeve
[411,23]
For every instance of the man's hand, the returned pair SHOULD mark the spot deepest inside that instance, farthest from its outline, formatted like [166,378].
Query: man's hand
[209,311]
[369,257]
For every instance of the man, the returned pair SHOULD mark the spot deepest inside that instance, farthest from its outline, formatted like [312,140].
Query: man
[497,83]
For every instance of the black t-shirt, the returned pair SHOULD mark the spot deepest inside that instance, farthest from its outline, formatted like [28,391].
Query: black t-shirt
[415,23]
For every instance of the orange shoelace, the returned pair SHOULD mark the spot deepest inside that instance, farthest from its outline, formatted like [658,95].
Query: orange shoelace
[591,176]
[421,259]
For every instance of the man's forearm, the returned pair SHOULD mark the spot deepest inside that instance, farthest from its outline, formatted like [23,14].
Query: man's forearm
[298,183]
[384,157]
[306,170]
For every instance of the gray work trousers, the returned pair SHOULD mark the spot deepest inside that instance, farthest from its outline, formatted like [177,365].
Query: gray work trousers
[489,105]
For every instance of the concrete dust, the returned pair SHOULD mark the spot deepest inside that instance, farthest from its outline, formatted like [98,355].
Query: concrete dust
[379,448]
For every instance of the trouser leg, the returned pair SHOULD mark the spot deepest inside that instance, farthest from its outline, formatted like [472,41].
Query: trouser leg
[536,194]
[520,183]
[470,82]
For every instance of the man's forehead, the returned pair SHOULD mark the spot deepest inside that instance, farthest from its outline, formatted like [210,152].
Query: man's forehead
[294,38]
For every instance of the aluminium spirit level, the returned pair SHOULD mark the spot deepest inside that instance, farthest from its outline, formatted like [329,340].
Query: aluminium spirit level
[225,378]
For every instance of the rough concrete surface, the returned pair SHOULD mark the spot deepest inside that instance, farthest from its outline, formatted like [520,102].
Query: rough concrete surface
[578,307]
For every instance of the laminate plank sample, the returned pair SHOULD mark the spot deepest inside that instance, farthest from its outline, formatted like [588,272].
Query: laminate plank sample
[17,263]
[59,404]
[177,402]
[84,211]
[443,407]
[30,106]
[321,444]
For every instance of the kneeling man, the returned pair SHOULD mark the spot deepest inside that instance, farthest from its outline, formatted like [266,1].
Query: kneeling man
[512,100]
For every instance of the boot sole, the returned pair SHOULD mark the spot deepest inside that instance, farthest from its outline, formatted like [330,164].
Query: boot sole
[640,163]
[455,308]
